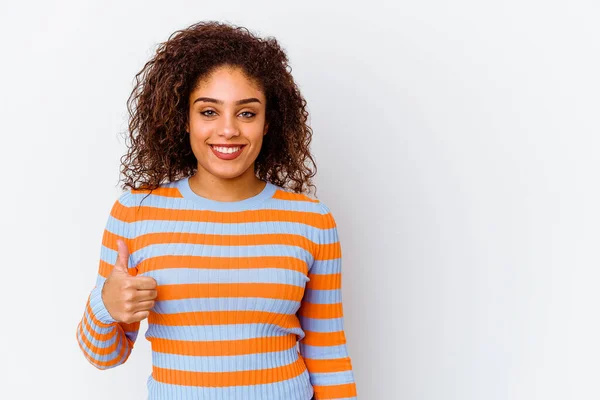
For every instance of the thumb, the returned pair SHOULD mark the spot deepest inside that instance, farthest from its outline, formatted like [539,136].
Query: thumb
[122,256]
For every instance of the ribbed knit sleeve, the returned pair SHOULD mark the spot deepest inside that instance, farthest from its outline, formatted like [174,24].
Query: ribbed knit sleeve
[106,343]
[321,316]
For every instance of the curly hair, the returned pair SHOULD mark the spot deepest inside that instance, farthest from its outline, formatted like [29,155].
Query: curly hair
[160,150]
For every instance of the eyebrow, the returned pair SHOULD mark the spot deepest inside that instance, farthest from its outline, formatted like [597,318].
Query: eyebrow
[243,101]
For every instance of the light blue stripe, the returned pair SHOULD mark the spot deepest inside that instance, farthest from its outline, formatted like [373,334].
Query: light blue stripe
[332,378]
[246,362]
[321,325]
[184,204]
[218,332]
[298,387]
[173,276]
[315,296]
[324,352]
[191,249]
[110,256]
[118,227]
[325,267]
[226,304]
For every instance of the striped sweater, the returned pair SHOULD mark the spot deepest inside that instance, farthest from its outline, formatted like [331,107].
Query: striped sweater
[249,301]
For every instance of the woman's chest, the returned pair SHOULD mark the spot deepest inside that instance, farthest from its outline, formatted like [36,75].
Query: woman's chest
[199,271]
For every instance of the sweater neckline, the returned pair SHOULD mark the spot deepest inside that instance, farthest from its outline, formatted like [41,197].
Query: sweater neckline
[186,191]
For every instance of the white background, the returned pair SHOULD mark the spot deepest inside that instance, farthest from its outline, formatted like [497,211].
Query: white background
[457,147]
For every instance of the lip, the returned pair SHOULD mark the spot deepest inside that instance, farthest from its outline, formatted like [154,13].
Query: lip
[230,156]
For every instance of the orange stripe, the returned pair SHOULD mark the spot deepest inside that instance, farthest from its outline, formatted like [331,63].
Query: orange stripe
[201,318]
[325,282]
[328,251]
[278,291]
[109,239]
[268,215]
[330,365]
[132,327]
[177,261]
[160,191]
[324,338]
[321,311]
[224,347]
[119,211]
[225,379]
[104,269]
[335,391]
[224,240]
[284,195]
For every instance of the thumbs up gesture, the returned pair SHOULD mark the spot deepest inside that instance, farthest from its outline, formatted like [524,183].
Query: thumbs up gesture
[127,298]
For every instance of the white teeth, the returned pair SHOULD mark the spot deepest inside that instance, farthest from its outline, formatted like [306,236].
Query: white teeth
[226,150]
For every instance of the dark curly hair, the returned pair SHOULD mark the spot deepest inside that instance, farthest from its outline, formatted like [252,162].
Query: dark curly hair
[160,150]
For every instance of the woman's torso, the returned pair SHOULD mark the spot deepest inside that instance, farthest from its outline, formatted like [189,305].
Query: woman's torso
[224,324]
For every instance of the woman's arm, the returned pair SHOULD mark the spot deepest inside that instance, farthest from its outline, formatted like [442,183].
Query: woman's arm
[321,316]
[106,343]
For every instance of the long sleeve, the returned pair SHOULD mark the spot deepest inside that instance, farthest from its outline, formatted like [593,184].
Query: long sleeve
[321,315]
[106,343]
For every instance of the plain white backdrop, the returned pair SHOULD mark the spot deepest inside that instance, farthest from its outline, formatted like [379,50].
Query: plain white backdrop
[456,144]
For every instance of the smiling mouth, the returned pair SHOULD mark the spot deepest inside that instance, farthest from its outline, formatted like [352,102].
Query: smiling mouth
[227,152]
[229,149]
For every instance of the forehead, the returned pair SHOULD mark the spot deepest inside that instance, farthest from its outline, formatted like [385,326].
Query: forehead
[228,82]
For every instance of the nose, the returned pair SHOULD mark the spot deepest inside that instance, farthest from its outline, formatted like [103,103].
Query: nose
[230,128]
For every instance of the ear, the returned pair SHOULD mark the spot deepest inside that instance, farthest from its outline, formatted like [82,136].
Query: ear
[266,128]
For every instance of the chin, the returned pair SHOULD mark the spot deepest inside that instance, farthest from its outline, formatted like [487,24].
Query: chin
[227,176]
[227,173]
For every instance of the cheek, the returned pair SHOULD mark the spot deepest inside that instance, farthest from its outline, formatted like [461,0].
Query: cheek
[199,134]
[198,144]
[258,141]
[198,127]
[257,136]
[255,149]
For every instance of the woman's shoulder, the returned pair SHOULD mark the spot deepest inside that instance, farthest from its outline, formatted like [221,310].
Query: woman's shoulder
[285,193]
[306,203]
[133,196]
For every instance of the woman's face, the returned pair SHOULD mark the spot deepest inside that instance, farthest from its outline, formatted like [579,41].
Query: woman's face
[227,123]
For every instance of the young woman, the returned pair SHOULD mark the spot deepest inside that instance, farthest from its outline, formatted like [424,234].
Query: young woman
[215,239]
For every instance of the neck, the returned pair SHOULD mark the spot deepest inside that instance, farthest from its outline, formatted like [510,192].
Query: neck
[219,189]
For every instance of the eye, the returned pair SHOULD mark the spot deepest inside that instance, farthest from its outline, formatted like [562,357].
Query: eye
[203,113]
[248,112]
